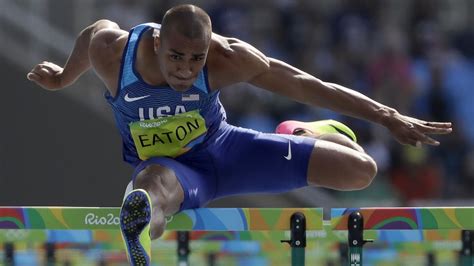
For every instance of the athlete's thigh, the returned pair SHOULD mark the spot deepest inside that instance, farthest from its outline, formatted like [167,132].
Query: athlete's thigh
[340,167]
[197,187]
[248,161]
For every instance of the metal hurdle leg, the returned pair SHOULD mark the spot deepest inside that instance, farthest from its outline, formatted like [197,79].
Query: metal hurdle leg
[9,251]
[466,255]
[343,254]
[211,259]
[431,259]
[298,239]
[50,253]
[183,248]
[355,225]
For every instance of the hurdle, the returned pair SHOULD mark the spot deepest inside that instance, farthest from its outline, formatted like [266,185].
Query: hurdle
[356,220]
[295,220]
[202,242]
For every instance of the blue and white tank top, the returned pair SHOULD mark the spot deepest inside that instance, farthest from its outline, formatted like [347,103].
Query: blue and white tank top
[157,120]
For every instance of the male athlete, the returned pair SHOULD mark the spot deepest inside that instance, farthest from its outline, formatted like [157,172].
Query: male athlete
[163,85]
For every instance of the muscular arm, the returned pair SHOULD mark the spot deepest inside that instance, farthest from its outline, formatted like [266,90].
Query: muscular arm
[289,81]
[78,62]
[240,62]
[247,64]
[53,77]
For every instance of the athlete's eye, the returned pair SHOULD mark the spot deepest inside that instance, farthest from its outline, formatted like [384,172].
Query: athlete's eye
[175,57]
[198,58]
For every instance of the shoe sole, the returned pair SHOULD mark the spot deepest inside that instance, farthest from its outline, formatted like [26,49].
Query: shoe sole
[135,215]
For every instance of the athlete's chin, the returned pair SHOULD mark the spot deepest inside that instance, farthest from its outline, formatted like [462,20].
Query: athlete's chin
[181,87]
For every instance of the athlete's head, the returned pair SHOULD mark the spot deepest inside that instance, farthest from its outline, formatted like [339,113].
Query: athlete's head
[183,44]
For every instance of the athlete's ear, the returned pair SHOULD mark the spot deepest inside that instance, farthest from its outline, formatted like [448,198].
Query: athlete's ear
[156,43]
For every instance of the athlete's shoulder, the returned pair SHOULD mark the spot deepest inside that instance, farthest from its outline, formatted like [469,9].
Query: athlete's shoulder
[231,60]
[105,54]
[107,42]
[233,50]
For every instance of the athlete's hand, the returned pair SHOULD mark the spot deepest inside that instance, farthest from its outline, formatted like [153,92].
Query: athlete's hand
[413,131]
[47,75]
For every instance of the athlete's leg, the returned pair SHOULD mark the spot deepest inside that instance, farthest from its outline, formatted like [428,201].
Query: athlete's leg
[161,187]
[335,156]
[248,161]
[174,185]
[339,167]
[154,193]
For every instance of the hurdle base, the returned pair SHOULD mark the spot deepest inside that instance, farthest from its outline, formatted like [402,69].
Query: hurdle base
[298,239]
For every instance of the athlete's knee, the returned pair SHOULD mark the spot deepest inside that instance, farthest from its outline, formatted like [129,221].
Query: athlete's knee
[154,177]
[149,177]
[360,171]
[365,171]
[340,168]
[152,180]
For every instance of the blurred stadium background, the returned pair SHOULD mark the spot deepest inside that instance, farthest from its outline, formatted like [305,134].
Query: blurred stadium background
[417,56]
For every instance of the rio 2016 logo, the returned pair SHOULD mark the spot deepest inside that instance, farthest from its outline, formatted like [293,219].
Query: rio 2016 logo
[109,219]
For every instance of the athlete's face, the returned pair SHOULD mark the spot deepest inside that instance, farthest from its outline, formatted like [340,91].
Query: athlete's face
[181,59]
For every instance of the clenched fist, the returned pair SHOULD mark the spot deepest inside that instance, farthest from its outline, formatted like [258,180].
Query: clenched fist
[46,74]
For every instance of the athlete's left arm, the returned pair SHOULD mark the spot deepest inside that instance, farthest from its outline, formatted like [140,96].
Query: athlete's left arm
[289,81]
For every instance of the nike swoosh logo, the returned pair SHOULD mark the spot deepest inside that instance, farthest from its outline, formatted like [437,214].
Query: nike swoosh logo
[132,99]
[288,157]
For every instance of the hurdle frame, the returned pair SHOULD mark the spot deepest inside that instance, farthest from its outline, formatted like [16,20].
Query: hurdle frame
[356,220]
[203,219]
[265,219]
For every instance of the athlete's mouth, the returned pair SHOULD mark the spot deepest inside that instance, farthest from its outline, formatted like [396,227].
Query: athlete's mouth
[183,79]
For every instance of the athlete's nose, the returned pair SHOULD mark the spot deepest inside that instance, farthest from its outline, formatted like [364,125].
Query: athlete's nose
[184,74]
[185,71]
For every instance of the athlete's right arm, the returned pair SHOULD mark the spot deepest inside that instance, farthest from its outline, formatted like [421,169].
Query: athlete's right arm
[93,47]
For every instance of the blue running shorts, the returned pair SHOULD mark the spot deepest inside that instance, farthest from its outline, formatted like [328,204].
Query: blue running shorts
[237,160]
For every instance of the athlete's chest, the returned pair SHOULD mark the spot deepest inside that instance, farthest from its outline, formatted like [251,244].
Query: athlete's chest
[140,103]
